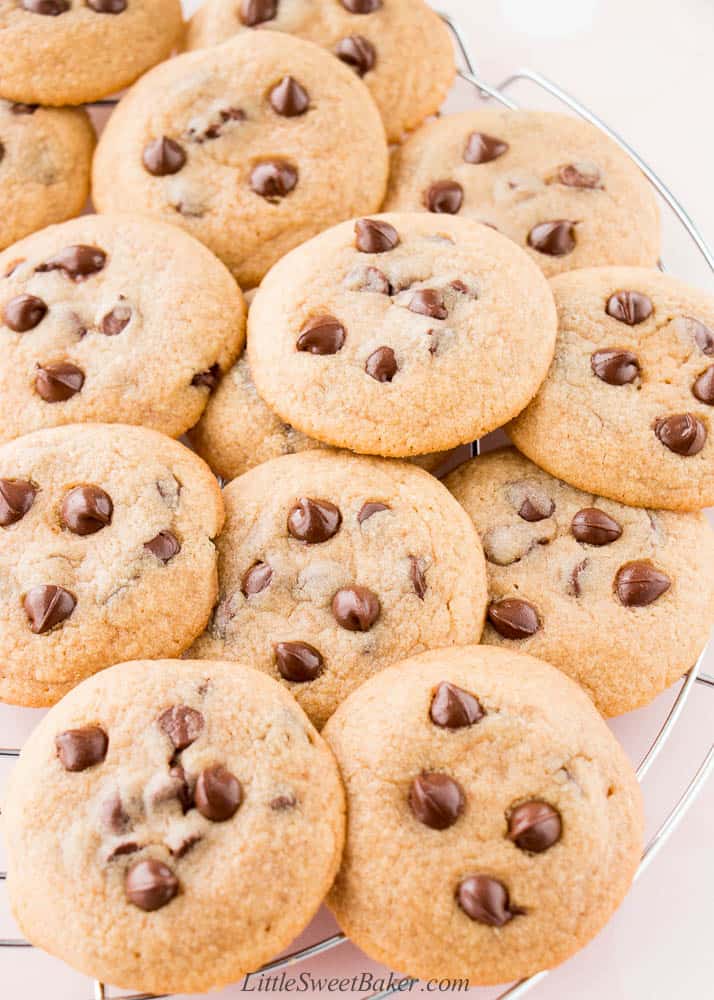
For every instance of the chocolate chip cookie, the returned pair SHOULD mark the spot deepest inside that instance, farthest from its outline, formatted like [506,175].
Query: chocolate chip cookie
[253,147]
[401,334]
[621,599]
[332,565]
[171,825]
[400,48]
[632,380]
[106,551]
[45,163]
[494,822]
[73,51]
[113,319]
[556,185]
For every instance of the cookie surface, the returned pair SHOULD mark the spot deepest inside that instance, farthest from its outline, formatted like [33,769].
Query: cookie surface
[71,51]
[401,334]
[619,598]
[557,186]
[633,381]
[494,822]
[141,810]
[331,566]
[252,147]
[45,163]
[106,551]
[113,319]
[400,48]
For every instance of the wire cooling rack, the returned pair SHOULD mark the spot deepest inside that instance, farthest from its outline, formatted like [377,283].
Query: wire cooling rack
[468,73]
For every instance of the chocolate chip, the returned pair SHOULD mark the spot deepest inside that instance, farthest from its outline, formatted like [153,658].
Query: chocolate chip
[485,900]
[382,364]
[580,175]
[358,52]
[615,367]
[181,849]
[629,307]
[182,724]
[703,336]
[417,577]
[47,606]
[86,510]
[482,148]
[116,320]
[375,236]
[114,817]
[282,802]
[454,708]
[428,302]
[298,661]
[514,618]
[574,587]
[107,6]
[79,749]
[682,433]
[555,238]
[595,527]
[163,156]
[314,521]
[78,262]
[536,508]
[289,98]
[436,800]
[356,608]
[321,335]
[256,579]
[361,6]
[20,108]
[16,498]
[164,546]
[24,313]
[273,179]
[50,8]
[183,789]
[534,826]
[368,279]
[639,584]
[444,197]
[218,794]
[208,379]
[703,388]
[59,382]
[254,12]
[370,508]
[150,884]
[2,152]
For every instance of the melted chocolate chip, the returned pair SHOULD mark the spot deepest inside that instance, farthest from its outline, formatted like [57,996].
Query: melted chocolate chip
[535,508]
[314,521]
[361,6]
[703,336]
[16,498]
[358,52]
[595,527]
[47,606]
[256,579]
[356,608]
[417,577]
[107,6]
[164,546]
[555,238]
[486,901]
[482,148]
[58,383]
[370,508]
[50,8]
[182,724]
[218,794]
[703,388]
[454,708]
[638,584]
[150,884]
[24,313]
[163,156]
[20,108]
[79,749]
[382,364]
[534,826]
[629,307]
[375,236]
[77,262]
[436,800]
[289,98]
[580,175]
[615,367]
[682,433]
[282,802]
[252,12]
[514,618]
[321,335]
[188,842]
[183,788]
[86,510]
[428,302]
[208,379]
[116,320]
[273,179]
[298,661]
[368,279]
[444,197]
[113,816]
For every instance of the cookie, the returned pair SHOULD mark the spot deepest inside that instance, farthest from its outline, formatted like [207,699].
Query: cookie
[633,381]
[45,163]
[621,599]
[106,551]
[401,334]
[331,566]
[400,48]
[73,51]
[172,825]
[494,822]
[113,319]
[252,147]
[557,186]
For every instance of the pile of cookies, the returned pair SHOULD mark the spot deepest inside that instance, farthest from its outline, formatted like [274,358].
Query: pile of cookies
[177,817]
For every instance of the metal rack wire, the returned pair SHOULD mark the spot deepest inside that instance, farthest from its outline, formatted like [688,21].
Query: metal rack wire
[468,73]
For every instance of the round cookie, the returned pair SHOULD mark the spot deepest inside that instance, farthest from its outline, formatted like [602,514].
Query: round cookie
[74,51]
[401,334]
[400,48]
[45,163]
[115,319]
[253,147]
[621,599]
[332,566]
[106,551]
[494,822]
[633,381]
[170,825]
[556,185]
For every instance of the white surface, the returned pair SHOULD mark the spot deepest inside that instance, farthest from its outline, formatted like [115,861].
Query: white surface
[646,68]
